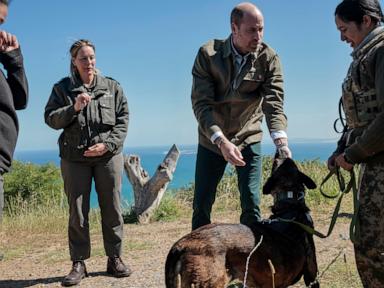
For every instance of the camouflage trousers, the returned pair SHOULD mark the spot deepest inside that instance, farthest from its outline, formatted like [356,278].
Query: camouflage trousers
[369,251]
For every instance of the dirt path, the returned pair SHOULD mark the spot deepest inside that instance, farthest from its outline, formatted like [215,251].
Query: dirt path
[145,250]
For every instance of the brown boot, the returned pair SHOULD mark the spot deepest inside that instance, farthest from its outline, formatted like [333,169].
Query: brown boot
[117,268]
[78,272]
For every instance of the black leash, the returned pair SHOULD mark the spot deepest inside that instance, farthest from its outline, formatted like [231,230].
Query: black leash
[354,227]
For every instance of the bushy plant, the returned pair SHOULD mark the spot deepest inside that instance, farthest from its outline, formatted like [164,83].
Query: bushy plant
[30,185]
[169,209]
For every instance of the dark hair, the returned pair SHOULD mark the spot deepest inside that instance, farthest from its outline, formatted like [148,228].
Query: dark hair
[236,15]
[4,2]
[354,10]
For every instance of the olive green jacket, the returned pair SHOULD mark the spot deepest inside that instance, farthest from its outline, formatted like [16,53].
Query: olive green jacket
[236,112]
[103,120]
[366,143]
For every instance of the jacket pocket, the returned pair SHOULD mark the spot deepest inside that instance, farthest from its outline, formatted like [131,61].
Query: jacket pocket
[71,145]
[251,82]
[107,110]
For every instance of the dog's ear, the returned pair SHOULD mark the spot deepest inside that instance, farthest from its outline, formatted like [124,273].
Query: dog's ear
[307,181]
[267,188]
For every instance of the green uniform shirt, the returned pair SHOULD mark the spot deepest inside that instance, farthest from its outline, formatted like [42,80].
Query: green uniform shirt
[236,108]
[103,120]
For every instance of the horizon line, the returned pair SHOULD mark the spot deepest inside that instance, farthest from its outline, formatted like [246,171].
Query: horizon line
[298,140]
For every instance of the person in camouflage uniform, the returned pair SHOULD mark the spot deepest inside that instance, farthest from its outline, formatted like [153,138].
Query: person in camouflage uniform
[93,113]
[359,22]
[235,83]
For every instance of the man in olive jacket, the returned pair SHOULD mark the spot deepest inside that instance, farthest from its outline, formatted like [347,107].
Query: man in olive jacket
[235,83]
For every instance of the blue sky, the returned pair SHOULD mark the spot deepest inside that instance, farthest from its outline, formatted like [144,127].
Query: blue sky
[150,46]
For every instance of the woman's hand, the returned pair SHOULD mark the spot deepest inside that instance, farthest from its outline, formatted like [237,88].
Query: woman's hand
[343,163]
[96,150]
[331,163]
[82,100]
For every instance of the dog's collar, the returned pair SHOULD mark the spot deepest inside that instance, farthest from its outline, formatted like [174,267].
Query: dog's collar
[289,195]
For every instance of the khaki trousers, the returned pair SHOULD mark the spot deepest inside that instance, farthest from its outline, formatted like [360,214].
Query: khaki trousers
[77,178]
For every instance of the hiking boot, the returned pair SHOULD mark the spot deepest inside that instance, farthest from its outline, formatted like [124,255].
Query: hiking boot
[78,272]
[117,268]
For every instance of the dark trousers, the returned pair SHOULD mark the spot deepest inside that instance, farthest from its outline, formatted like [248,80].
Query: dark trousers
[210,168]
[78,177]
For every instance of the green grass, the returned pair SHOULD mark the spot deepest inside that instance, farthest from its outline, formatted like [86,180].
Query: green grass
[52,215]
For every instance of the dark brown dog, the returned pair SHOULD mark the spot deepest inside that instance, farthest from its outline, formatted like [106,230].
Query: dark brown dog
[215,254]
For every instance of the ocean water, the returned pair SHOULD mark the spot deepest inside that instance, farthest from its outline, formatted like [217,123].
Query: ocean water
[151,157]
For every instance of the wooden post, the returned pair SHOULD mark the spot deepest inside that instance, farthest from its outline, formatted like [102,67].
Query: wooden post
[149,191]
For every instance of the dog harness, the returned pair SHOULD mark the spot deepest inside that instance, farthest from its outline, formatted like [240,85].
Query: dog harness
[288,195]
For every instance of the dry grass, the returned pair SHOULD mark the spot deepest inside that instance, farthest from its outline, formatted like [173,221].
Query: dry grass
[41,259]
[35,241]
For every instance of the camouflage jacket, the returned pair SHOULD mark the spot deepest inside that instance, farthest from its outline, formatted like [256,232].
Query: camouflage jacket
[236,110]
[363,101]
[103,120]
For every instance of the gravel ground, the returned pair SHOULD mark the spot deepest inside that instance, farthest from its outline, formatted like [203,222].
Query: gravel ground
[145,250]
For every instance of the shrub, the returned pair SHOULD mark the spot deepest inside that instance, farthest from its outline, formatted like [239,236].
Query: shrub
[31,185]
[228,197]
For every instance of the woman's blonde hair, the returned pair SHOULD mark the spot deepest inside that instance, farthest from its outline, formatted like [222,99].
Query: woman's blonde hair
[75,77]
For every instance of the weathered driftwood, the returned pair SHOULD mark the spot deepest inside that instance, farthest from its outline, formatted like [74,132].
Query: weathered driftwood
[149,191]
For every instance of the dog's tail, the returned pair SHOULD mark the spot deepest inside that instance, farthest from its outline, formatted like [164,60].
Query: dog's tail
[173,268]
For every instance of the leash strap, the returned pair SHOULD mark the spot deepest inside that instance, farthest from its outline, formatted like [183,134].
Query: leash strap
[354,229]
[340,180]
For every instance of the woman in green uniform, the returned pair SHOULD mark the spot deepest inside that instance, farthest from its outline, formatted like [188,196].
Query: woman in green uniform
[92,111]
[359,23]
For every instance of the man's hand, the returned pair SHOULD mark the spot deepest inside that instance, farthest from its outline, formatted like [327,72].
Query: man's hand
[96,150]
[8,42]
[282,148]
[343,163]
[82,100]
[230,152]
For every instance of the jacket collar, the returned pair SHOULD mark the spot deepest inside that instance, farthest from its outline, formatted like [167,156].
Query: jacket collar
[99,83]
[376,35]
[227,49]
